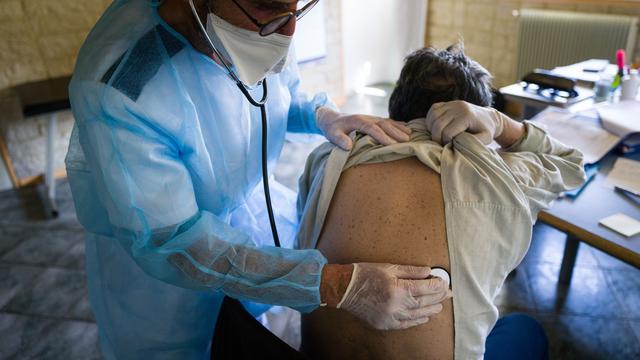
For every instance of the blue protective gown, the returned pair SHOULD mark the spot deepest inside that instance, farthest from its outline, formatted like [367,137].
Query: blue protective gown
[164,166]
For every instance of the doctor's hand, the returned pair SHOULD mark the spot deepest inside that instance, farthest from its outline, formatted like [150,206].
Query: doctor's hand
[336,127]
[384,295]
[446,120]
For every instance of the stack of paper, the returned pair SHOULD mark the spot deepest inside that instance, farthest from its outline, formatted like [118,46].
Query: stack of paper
[625,174]
[578,132]
[595,69]
[622,118]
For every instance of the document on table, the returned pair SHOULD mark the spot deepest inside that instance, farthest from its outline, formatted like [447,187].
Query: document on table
[576,131]
[625,174]
[622,224]
[622,118]
[577,71]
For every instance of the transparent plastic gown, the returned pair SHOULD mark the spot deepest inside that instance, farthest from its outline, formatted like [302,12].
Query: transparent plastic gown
[164,166]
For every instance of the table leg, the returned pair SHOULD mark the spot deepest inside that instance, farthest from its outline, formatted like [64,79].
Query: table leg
[568,259]
[50,180]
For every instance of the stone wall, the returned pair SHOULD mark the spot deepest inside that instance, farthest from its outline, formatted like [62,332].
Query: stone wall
[490,29]
[40,39]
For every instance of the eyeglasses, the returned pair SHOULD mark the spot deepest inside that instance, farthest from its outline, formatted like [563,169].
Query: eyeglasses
[277,22]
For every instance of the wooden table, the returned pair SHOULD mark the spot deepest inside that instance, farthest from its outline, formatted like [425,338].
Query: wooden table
[579,217]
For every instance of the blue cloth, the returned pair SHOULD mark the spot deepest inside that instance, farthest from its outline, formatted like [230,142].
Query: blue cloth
[516,336]
[164,166]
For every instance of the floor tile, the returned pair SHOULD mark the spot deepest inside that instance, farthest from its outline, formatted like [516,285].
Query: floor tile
[25,337]
[588,293]
[20,205]
[547,245]
[25,205]
[9,239]
[53,292]
[635,326]
[583,337]
[515,292]
[74,258]
[15,280]
[626,287]
[54,245]
[609,262]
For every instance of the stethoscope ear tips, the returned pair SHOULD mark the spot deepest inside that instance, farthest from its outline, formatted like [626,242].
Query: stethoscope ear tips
[442,274]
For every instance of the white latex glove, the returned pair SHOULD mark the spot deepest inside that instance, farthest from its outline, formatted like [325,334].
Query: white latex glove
[336,127]
[393,296]
[446,120]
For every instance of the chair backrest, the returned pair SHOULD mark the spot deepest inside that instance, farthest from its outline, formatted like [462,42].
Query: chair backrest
[556,38]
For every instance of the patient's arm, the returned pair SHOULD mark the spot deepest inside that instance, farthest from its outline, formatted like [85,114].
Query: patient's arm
[390,212]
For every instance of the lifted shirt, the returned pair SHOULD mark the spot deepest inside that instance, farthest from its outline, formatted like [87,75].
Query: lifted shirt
[492,199]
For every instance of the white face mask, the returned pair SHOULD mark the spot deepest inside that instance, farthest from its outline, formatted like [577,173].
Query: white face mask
[253,56]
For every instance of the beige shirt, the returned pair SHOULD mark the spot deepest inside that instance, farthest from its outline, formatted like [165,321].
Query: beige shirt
[492,199]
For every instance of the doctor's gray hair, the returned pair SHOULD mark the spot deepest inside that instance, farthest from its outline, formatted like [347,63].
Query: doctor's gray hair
[430,76]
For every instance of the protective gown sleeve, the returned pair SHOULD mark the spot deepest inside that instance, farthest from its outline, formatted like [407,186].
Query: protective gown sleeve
[543,167]
[302,111]
[148,194]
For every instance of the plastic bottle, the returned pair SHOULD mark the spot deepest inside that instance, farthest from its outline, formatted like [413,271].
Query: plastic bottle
[630,86]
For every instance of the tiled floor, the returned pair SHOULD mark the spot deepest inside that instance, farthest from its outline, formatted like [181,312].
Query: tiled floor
[44,312]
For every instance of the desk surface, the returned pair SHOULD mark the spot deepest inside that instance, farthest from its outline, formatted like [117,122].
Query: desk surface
[579,217]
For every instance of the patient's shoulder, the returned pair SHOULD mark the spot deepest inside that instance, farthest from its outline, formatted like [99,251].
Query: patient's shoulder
[407,175]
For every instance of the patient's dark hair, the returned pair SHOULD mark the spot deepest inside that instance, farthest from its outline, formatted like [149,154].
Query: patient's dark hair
[430,75]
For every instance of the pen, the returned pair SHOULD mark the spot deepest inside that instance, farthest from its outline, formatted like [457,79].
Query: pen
[624,190]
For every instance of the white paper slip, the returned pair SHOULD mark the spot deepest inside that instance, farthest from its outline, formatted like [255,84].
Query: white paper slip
[622,224]
[625,174]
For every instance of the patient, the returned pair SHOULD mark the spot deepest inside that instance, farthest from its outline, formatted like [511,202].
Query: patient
[463,206]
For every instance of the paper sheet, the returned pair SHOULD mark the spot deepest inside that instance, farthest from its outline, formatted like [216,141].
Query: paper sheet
[575,131]
[622,118]
[622,224]
[625,174]
[576,71]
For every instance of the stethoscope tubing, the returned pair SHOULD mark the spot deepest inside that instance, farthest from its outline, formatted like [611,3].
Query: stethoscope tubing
[263,114]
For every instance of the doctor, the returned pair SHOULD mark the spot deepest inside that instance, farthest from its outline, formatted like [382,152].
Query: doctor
[164,166]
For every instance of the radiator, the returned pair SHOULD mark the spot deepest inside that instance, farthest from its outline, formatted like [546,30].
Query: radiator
[555,38]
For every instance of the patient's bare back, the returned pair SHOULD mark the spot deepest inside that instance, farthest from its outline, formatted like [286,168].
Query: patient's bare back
[389,212]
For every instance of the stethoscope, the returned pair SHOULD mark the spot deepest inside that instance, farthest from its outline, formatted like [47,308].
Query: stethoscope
[439,272]
[263,112]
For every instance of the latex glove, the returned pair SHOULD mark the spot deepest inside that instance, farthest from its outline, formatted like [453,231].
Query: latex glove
[393,296]
[336,127]
[446,120]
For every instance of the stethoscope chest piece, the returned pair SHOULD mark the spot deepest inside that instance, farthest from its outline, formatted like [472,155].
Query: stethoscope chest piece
[442,274]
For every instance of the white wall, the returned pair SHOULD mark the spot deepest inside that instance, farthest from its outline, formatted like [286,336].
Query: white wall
[381,33]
